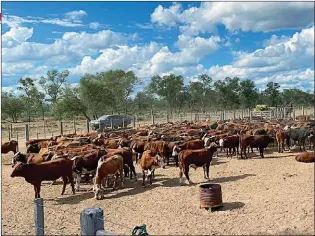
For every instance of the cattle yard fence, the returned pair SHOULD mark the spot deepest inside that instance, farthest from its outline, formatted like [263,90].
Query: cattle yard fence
[91,222]
[49,128]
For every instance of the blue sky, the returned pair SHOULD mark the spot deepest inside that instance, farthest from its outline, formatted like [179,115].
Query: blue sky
[261,41]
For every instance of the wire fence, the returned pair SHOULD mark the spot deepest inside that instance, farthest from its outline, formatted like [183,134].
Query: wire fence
[42,229]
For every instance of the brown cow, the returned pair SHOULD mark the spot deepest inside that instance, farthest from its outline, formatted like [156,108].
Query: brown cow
[255,141]
[105,167]
[149,162]
[11,146]
[307,157]
[194,159]
[280,137]
[50,170]
[159,147]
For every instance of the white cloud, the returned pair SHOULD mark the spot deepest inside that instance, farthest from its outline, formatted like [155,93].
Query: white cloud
[16,21]
[71,45]
[287,61]
[75,15]
[95,25]
[153,58]
[249,16]
[167,16]
[18,34]
[237,40]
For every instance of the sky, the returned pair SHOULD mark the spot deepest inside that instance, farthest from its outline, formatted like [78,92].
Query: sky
[260,41]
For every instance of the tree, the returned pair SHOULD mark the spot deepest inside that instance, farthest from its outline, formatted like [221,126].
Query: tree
[248,93]
[168,87]
[70,104]
[228,92]
[32,97]
[54,83]
[272,93]
[11,106]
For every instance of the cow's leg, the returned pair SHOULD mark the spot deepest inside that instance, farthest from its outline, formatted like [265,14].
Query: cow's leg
[143,179]
[133,170]
[261,150]
[115,180]
[86,177]
[35,190]
[78,180]
[121,177]
[186,172]
[204,172]
[180,174]
[70,178]
[176,160]
[65,181]
[208,169]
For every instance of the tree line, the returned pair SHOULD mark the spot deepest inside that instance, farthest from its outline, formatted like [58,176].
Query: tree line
[111,92]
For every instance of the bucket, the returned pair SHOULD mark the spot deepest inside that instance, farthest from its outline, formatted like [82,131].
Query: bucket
[210,196]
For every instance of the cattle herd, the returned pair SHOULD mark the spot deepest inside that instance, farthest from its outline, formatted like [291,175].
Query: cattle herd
[113,154]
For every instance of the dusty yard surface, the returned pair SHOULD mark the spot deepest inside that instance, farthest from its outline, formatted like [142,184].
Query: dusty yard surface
[274,195]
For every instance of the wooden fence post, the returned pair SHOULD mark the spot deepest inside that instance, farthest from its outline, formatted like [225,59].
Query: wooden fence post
[111,123]
[87,124]
[61,127]
[250,114]
[8,127]
[302,111]
[152,117]
[270,115]
[242,114]
[11,131]
[44,129]
[167,118]
[92,222]
[39,216]
[123,124]
[293,114]
[74,127]
[234,114]
[134,121]
[27,132]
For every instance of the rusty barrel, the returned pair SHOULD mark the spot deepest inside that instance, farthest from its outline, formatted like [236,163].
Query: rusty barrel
[210,196]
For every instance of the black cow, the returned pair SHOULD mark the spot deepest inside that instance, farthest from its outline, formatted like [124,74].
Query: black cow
[300,135]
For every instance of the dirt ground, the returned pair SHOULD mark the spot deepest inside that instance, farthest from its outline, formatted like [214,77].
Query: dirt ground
[274,195]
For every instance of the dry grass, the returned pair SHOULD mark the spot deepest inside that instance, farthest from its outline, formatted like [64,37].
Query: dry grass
[274,195]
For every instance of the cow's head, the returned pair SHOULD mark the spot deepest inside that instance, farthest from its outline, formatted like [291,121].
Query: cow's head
[96,189]
[77,164]
[19,170]
[159,161]
[212,147]
[18,157]
[33,148]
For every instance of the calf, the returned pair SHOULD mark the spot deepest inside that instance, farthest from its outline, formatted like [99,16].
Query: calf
[30,158]
[11,146]
[194,159]
[306,157]
[280,137]
[126,153]
[230,142]
[85,165]
[50,170]
[159,147]
[149,162]
[105,167]
[255,141]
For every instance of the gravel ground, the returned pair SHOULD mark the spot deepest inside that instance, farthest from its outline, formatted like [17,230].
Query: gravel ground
[274,195]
